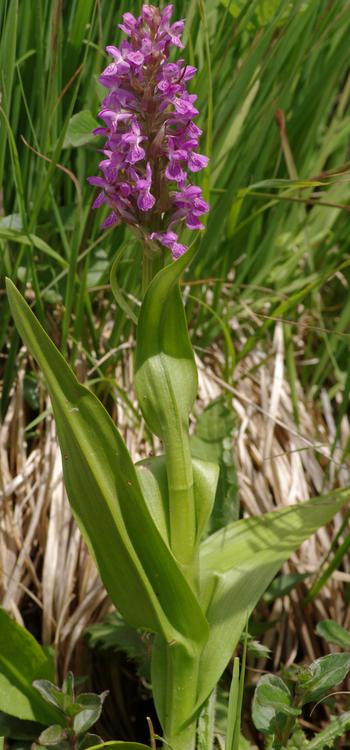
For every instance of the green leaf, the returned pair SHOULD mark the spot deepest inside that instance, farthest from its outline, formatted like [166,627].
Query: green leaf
[31,392]
[152,475]
[166,386]
[68,686]
[233,706]
[238,564]
[255,648]
[89,740]
[333,633]
[79,131]
[164,355]
[337,727]
[153,480]
[216,422]
[22,660]
[7,65]
[85,720]
[18,729]
[272,705]
[51,694]
[107,500]
[323,674]
[52,735]
[12,235]
[116,289]
[91,705]
[212,441]
[221,717]
[98,267]
[297,741]
[282,585]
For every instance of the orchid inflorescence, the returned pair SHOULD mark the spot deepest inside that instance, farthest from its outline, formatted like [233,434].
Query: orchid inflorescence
[151,139]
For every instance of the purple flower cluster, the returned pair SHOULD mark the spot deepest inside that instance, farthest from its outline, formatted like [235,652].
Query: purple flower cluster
[151,139]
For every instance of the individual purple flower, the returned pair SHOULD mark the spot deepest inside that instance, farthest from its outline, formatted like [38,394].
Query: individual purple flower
[151,140]
[196,162]
[133,138]
[177,157]
[169,240]
[189,205]
[145,199]
[129,25]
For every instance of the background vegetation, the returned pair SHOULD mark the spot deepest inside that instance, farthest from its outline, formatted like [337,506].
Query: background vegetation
[268,304]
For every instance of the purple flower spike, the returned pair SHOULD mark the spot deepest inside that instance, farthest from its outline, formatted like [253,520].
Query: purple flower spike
[151,139]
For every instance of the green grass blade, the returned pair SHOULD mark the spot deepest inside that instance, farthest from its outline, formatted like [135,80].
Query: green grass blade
[233,707]
[7,67]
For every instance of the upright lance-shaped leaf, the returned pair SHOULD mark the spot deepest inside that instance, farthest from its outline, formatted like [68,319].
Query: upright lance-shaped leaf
[237,564]
[166,385]
[137,568]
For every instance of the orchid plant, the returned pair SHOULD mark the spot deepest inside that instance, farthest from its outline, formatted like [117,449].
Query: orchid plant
[146,525]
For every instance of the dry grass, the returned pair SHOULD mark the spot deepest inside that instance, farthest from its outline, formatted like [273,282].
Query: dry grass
[45,566]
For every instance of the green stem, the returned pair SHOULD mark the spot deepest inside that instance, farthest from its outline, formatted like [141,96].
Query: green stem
[182,515]
[290,724]
[153,261]
[206,724]
[180,670]
[183,740]
[147,271]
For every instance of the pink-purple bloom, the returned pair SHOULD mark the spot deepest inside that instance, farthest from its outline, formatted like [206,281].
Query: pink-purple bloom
[151,139]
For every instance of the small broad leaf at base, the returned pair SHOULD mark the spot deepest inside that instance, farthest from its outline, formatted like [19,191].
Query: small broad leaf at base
[272,705]
[91,707]
[52,735]
[51,693]
[322,675]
